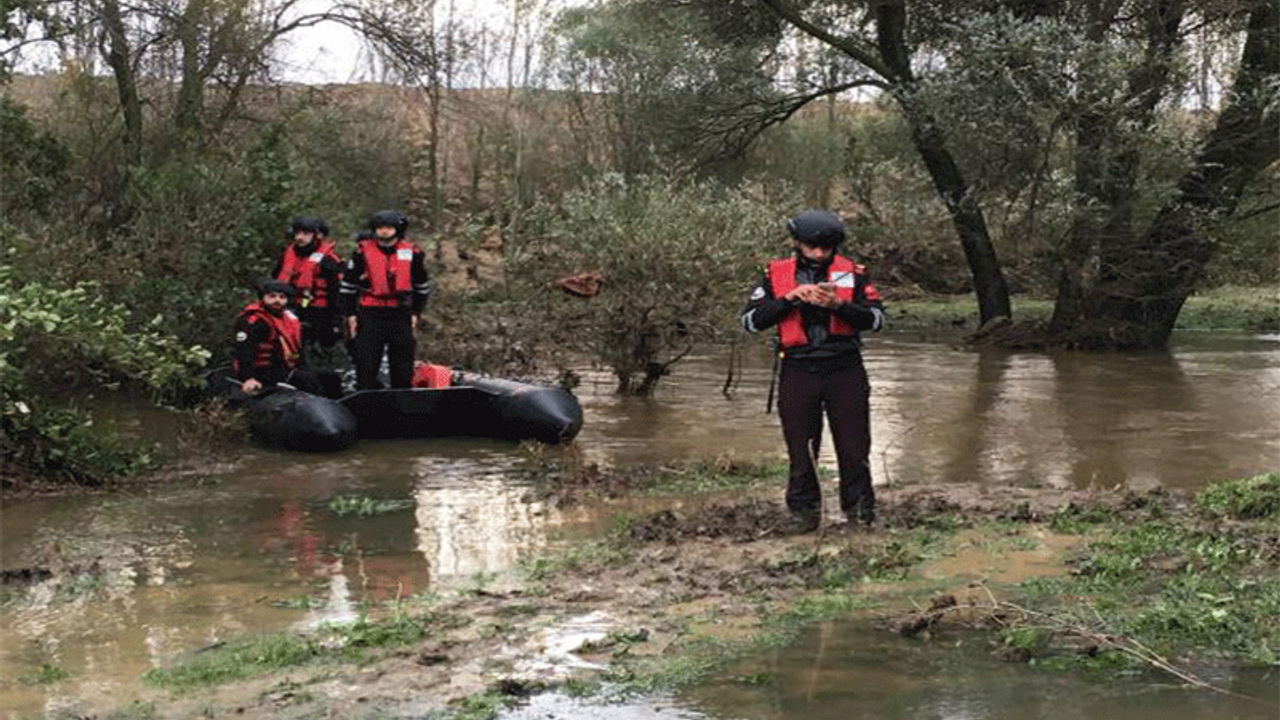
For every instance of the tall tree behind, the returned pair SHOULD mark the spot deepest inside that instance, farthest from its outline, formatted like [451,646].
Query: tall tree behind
[1143,283]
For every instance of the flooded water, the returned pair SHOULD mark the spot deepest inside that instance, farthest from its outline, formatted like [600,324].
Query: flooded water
[844,671]
[272,540]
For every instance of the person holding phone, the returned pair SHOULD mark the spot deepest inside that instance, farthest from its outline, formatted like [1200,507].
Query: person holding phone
[819,302]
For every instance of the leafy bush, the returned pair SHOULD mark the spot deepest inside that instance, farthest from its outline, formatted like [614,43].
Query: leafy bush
[65,338]
[675,262]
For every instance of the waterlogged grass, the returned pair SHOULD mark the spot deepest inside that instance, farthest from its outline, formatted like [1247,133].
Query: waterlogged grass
[46,674]
[603,552]
[1183,587]
[705,477]
[363,506]
[234,661]
[1250,499]
[251,657]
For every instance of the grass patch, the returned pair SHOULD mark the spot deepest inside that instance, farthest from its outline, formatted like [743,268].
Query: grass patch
[1229,307]
[1178,586]
[362,506]
[234,661]
[712,476]
[1253,498]
[251,657]
[1233,307]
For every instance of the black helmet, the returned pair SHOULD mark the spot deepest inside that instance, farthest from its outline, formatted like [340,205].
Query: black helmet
[322,228]
[271,285]
[389,218]
[305,224]
[817,228]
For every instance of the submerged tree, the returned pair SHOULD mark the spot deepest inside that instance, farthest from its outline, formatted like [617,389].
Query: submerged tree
[1104,72]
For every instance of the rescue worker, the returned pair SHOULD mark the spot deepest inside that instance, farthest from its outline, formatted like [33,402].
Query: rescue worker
[268,344]
[819,301]
[382,291]
[311,265]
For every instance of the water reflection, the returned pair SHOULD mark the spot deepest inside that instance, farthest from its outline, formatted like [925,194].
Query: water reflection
[144,578]
[849,671]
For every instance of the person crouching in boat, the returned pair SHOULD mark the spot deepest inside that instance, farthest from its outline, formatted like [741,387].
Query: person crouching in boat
[268,346]
[383,290]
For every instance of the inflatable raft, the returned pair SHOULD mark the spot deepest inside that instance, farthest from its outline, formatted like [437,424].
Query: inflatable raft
[461,405]
[296,420]
[471,406]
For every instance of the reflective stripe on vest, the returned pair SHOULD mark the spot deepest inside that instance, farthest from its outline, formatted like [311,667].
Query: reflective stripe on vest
[842,273]
[304,274]
[388,273]
[284,339]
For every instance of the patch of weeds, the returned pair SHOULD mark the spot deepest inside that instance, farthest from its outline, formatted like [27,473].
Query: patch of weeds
[485,706]
[1075,519]
[715,475]
[757,679]
[234,661]
[298,602]
[891,561]
[1030,639]
[682,671]
[46,674]
[363,506]
[944,523]
[1175,589]
[1252,498]
[590,554]
[581,687]
[825,606]
[362,634]
[481,580]
[136,710]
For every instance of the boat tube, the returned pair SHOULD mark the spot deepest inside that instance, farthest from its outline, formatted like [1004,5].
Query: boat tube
[285,417]
[297,420]
[471,406]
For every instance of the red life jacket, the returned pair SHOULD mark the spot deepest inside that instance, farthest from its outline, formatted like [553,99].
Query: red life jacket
[304,274]
[842,272]
[427,375]
[283,342]
[389,273]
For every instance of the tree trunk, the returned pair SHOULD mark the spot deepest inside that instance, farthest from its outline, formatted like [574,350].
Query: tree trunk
[966,215]
[1139,310]
[119,57]
[188,111]
[1101,240]
[988,279]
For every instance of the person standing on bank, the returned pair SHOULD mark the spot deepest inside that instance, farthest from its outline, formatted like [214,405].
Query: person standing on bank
[819,301]
[383,290]
[311,266]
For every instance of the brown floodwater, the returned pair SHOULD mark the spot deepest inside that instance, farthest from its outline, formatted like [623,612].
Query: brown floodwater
[261,543]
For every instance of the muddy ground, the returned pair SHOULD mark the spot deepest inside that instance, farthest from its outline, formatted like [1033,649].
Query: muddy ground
[714,571]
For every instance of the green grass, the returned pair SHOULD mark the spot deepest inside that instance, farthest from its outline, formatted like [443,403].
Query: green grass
[1182,587]
[1230,308]
[234,661]
[1249,499]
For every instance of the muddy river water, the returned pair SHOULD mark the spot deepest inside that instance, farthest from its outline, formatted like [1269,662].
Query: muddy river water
[252,546]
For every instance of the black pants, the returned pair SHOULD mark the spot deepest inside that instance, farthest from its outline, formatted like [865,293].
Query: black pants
[391,331]
[843,394]
[319,325]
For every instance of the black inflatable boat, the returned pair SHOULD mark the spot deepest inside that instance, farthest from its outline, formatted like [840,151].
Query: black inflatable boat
[296,420]
[472,406]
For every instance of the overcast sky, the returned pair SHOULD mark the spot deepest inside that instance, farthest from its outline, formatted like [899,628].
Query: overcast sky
[332,53]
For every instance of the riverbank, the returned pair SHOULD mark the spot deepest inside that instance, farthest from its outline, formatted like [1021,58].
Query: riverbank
[671,596]
[1232,308]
